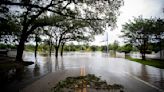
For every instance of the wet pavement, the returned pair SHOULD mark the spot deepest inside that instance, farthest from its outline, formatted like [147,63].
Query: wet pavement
[133,76]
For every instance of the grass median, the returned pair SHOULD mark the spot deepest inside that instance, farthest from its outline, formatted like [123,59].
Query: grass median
[150,62]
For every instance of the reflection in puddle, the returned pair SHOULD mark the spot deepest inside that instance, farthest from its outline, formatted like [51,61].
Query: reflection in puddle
[36,68]
[56,65]
[48,64]
[144,74]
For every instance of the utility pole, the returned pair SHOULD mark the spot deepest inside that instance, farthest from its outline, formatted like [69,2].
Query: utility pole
[107,43]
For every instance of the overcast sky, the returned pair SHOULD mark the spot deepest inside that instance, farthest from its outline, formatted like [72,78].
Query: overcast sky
[132,8]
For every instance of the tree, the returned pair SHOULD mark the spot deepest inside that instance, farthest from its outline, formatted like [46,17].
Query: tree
[36,37]
[127,48]
[105,12]
[69,31]
[158,34]
[37,40]
[94,48]
[115,45]
[138,32]
[49,41]
[78,34]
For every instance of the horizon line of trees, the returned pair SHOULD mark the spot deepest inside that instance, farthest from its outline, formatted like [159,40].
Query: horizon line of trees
[127,48]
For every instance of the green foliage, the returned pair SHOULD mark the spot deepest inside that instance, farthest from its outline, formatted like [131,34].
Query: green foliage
[73,47]
[137,31]
[103,48]
[95,48]
[89,81]
[114,46]
[142,32]
[4,46]
[41,48]
[126,48]
[30,47]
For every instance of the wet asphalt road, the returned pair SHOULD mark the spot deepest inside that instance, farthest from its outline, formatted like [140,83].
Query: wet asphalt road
[133,76]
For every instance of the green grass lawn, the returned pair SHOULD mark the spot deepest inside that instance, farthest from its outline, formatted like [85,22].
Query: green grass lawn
[155,63]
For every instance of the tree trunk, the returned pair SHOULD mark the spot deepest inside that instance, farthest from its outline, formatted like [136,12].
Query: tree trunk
[56,51]
[21,45]
[144,50]
[20,49]
[143,56]
[50,49]
[160,47]
[36,49]
[62,49]
[126,55]
[24,36]
[50,45]
[115,53]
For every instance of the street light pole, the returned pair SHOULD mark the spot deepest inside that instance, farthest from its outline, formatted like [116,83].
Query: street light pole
[107,43]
